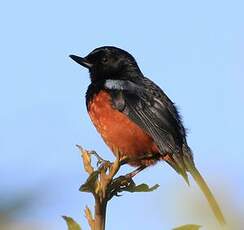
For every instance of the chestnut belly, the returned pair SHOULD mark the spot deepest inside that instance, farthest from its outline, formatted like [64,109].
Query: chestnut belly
[121,134]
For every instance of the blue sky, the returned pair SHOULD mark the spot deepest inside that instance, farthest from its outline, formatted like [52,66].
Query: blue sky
[192,49]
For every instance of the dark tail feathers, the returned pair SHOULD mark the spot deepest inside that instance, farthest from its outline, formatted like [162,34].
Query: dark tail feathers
[183,163]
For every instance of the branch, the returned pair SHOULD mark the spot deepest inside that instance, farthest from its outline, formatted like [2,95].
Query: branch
[103,186]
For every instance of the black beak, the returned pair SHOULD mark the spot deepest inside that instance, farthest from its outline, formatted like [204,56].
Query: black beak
[81,61]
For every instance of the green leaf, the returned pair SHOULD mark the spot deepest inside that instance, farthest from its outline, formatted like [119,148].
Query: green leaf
[188,227]
[125,184]
[89,185]
[72,225]
[142,188]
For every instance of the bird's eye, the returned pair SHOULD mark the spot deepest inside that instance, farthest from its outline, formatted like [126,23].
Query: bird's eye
[104,60]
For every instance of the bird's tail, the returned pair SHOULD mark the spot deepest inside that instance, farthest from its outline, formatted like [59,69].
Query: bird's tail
[184,164]
[207,192]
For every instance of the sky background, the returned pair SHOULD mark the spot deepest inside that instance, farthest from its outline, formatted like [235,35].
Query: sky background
[193,49]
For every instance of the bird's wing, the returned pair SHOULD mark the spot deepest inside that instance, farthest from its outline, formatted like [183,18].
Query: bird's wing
[146,105]
[149,107]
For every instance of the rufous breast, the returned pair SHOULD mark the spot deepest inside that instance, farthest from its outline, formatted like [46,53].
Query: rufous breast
[121,134]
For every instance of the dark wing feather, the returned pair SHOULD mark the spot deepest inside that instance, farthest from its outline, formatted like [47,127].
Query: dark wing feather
[148,106]
[153,121]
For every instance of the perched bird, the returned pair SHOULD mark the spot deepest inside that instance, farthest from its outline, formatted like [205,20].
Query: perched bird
[135,117]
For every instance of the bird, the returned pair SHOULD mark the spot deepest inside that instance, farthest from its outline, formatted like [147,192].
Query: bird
[135,117]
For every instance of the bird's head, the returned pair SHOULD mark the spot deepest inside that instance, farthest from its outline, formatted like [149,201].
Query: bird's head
[109,62]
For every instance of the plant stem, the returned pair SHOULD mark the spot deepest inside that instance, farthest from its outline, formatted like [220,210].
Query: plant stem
[100,213]
[104,186]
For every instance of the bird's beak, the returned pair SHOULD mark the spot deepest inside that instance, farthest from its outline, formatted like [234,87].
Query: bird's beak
[82,61]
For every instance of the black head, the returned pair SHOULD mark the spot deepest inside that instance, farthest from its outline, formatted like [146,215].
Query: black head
[109,62]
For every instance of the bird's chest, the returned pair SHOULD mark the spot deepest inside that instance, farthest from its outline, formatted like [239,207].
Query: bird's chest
[118,131]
